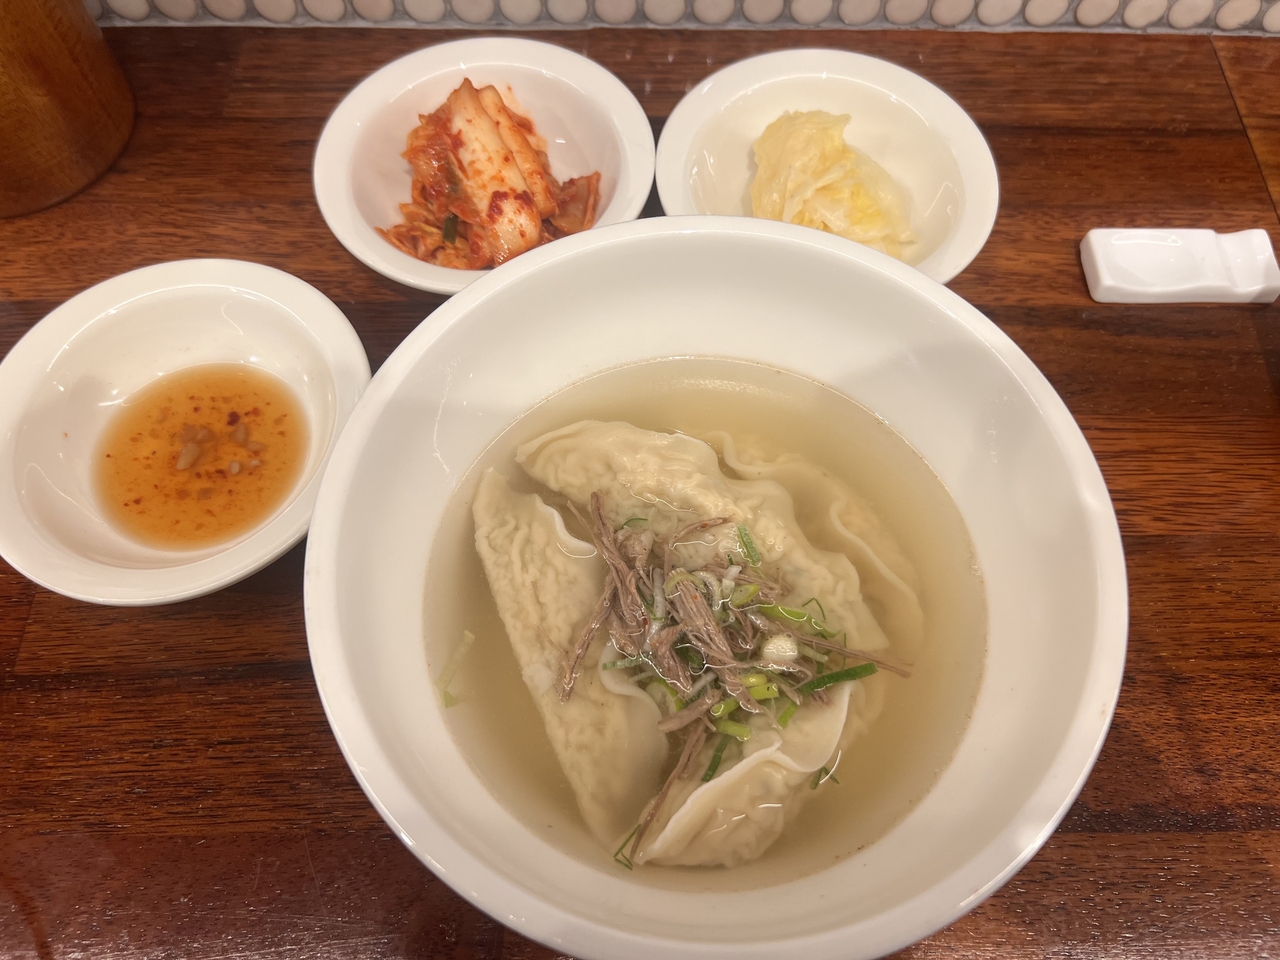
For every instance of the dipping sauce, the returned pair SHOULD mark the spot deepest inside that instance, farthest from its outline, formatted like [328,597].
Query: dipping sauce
[201,455]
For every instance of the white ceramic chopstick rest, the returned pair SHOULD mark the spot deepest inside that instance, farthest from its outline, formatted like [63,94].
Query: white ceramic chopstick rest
[1180,266]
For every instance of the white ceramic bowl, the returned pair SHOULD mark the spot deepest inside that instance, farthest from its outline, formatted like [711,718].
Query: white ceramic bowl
[61,384]
[589,120]
[922,137]
[936,369]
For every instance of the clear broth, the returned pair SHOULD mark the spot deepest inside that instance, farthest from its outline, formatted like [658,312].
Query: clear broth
[886,772]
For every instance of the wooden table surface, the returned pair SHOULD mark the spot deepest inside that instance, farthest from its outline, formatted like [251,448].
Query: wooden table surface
[168,784]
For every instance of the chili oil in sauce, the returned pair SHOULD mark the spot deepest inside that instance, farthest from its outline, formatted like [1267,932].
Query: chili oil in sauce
[201,455]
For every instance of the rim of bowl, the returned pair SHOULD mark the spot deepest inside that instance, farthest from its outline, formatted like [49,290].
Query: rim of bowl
[520,908]
[333,159]
[977,166]
[20,371]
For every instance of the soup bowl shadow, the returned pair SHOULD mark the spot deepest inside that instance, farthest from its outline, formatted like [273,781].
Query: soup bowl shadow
[943,376]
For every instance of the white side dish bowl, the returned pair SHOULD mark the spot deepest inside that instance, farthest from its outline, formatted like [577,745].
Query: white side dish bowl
[918,134]
[946,378]
[61,384]
[589,119]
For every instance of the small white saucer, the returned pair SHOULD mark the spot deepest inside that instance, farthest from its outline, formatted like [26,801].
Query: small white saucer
[589,119]
[922,137]
[61,384]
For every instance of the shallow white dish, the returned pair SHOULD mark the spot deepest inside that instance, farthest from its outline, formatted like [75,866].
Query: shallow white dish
[936,369]
[61,384]
[588,118]
[922,137]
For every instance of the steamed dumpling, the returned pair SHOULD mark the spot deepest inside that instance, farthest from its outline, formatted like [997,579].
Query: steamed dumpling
[843,522]
[547,586]
[737,816]
[546,583]
[673,480]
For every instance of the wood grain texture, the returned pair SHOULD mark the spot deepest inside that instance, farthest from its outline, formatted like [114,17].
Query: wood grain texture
[1252,68]
[168,783]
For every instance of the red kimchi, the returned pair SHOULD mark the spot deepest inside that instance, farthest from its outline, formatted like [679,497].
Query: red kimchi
[482,193]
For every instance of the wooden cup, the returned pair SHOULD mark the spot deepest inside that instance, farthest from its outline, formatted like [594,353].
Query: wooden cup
[66,109]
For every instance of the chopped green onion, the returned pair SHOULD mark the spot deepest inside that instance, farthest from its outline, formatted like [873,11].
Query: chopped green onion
[723,708]
[623,664]
[714,765]
[678,577]
[692,657]
[451,668]
[676,701]
[822,776]
[821,612]
[813,653]
[754,679]
[450,231]
[734,729]
[621,858]
[743,594]
[765,691]
[748,545]
[785,716]
[635,521]
[839,676]
[776,611]
[791,615]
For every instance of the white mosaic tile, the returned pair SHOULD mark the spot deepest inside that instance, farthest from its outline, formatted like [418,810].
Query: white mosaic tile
[472,11]
[996,13]
[520,12]
[1235,14]
[762,11]
[227,9]
[425,11]
[568,12]
[375,11]
[326,11]
[277,11]
[1259,17]
[948,13]
[130,9]
[620,11]
[711,12]
[1093,13]
[810,12]
[903,12]
[1143,13]
[1042,13]
[857,13]
[664,12]
[1189,13]
[180,10]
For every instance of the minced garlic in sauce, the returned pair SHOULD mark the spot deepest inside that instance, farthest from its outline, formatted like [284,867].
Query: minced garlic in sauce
[201,455]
